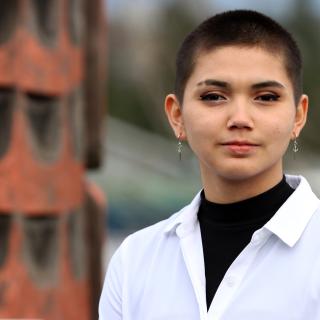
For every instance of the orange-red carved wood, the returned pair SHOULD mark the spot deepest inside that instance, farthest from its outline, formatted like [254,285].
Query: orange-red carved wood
[50,219]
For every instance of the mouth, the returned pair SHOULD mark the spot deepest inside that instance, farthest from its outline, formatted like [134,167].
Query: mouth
[240,147]
[239,143]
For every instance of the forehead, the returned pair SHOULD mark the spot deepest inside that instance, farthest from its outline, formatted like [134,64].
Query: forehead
[239,63]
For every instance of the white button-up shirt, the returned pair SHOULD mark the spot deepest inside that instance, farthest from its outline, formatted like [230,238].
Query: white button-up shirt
[158,272]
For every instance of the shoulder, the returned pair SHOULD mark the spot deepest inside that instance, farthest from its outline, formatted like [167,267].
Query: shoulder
[144,241]
[138,259]
[156,241]
[311,231]
[304,220]
[303,208]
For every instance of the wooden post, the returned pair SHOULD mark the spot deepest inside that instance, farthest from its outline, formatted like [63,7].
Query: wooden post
[47,269]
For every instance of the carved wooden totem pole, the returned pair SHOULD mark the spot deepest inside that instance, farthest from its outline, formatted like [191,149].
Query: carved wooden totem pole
[52,83]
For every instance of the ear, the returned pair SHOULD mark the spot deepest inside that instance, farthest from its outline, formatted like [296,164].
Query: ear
[174,114]
[301,115]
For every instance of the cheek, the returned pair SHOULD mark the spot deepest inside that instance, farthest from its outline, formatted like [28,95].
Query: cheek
[285,128]
[281,125]
[281,132]
[199,129]
[198,135]
[281,135]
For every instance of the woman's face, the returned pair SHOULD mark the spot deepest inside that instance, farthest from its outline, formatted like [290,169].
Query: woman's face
[238,113]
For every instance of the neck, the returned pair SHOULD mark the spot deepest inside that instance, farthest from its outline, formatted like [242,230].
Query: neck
[219,189]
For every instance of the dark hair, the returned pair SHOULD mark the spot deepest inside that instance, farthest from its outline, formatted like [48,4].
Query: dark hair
[243,28]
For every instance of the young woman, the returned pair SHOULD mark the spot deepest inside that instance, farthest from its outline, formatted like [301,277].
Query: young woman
[247,246]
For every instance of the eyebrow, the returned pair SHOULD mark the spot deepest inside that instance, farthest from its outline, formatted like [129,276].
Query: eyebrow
[268,84]
[224,84]
[213,82]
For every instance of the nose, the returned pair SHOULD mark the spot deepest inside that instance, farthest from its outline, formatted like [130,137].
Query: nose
[240,116]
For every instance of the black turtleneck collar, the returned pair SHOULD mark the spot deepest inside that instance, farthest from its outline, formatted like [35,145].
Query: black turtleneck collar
[262,206]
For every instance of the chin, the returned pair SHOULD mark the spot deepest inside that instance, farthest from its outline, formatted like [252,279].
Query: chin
[238,177]
[239,173]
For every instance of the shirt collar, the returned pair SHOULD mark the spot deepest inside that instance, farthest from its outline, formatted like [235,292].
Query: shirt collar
[291,219]
[185,220]
[288,223]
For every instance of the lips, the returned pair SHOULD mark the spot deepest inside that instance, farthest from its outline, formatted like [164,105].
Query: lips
[240,147]
[240,143]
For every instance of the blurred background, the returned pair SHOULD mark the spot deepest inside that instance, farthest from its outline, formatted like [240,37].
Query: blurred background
[86,153]
[142,176]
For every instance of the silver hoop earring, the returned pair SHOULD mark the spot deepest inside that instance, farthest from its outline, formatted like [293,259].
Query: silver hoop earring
[179,147]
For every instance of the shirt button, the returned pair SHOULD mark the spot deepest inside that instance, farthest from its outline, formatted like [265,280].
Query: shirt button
[230,281]
[256,239]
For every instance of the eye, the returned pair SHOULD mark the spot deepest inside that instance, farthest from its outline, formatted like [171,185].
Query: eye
[212,97]
[268,97]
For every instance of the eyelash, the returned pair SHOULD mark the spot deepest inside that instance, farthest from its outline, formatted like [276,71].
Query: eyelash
[267,97]
[210,96]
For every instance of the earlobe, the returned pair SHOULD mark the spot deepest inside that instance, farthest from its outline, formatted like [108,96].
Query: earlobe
[174,113]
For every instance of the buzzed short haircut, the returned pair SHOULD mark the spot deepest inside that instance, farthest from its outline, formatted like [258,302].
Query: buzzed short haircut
[244,28]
